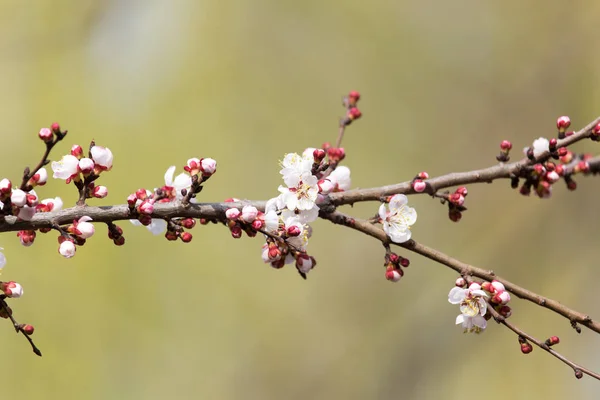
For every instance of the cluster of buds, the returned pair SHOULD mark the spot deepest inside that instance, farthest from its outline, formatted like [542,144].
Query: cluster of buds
[84,171]
[418,183]
[18,202]
[474,299]
[393,266]
[456,203]
[115,233]
[184,187]
[287,244]
[352,112]
[51,135]
[249,220]
[13,290]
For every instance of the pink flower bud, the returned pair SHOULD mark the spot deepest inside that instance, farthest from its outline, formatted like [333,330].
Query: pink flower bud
[12,289]
[5,187]
[258,224]
[474,286]
[46,135]
[208,166]
[249,214]
[39,178]
[146,207]
[294,230]
[487,286]
[419,186]
[498,286]
[501,298]
[76,151]
[67,249]
[101,192]
[319,155]
[460,282]
[27,329]
[83,228]
[233,214]
[393,275]
[186,237]
[526,348]
[305,263]
[188,223]
[55,127]
[423,175]
[505,311]
[505,145]
[86,165]
[562,123]
[353,113]
[325,186]
[236,231]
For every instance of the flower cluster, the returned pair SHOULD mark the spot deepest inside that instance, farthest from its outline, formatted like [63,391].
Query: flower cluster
[474,300]
[183,187]
[397,217]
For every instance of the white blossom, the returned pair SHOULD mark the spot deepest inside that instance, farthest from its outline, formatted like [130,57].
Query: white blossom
[66,168]
[473,307]
[397,218]
[102,156]
[540,146]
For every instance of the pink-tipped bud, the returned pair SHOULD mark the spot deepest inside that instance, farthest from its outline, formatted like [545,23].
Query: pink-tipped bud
[319,155]
[132,199]
[236,231]
[325,186]
[526,348]
[76,151]
[487,286]
[188,223]
[505,146]
[304,263]
[12,289]
[460,282]
[462,190]
[393,275]
[474,286]
[501,298]
[258,224]
[55,127]
[294,231]
[67,249]
[27,329]
[186,237]
[498,286]
[353,113]
[596,129]
[353,98]
[101,192]
[552,340]
[336,154]
[5,187]
[249,214]
[146,207]
[208,166]
[563,123]
[86,165]
[419,186]
[457,199]
[46,135]
[552,144]
[552,176]
[233,214]
[394,258]
[405,262]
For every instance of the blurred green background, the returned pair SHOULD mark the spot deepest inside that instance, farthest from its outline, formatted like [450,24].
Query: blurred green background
[245,82]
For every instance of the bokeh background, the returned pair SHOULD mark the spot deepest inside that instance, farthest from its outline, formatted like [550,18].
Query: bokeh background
[246,82]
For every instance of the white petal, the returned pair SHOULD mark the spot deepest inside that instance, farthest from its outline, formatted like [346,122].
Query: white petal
[182,181]
[2,259]
[383,211]
[397,201]
[169,175]
[456,295]
[157,226]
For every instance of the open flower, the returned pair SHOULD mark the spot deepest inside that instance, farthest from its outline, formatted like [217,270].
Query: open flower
[473,307]
[397,218]
[181,181]
[66,168]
